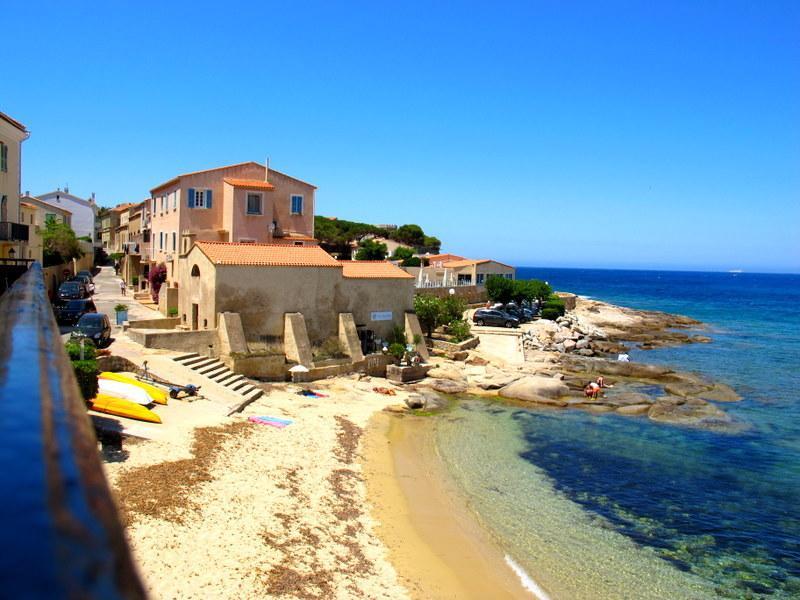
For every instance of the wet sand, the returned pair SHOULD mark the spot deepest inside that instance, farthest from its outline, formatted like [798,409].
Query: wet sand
[435,544]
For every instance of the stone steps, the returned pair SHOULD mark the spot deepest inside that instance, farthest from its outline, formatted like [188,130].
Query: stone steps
[214,370]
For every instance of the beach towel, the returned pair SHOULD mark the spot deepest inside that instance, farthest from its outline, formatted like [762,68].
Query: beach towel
[271,421]
[311,394]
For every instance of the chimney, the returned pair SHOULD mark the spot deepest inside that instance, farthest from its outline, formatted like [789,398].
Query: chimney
[27,192]
[92,200]
[66,189]
[266,172]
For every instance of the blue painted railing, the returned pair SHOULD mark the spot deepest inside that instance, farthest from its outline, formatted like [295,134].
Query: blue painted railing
[60,535]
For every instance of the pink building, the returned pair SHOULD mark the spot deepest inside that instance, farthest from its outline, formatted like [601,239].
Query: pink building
[238,203]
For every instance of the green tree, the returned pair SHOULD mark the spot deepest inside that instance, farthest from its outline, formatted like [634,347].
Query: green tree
[402,253]
[499,289]
[411,235]
[541,290]
[428,310]
[59,243]
[432,244]
[371,250]
[452,309]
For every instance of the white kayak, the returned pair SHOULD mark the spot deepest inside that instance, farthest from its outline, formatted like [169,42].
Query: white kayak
[125,391]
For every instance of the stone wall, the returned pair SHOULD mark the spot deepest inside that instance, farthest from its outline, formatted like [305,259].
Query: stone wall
[168,323]
[179,341]
[472,294]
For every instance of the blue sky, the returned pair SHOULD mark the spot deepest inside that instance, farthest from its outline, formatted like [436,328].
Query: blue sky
[596,134]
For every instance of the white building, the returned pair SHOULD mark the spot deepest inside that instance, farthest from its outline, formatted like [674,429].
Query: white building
[83,211]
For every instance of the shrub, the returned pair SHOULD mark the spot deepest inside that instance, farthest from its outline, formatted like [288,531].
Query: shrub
[371,250]
[73,348]
[172,312]
[459,330]
[157,276]
[397,336]
[452,309]
[135,280]
[397,350]
[120,308]
[550,313]
[86,374]
[414,261]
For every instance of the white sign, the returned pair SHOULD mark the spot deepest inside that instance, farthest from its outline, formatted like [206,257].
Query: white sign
[386,315]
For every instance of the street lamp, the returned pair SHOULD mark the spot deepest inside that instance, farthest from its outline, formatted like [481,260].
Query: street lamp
[451,291]
[12,253]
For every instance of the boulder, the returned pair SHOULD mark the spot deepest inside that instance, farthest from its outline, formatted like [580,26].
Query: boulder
[634,409]
[476,360]
[415,401]
[536,388]
[721,393]
[448,386]
[628,399]
[461,355]
[494,382]
[585,352]
[582,343]
[692,412]
[569,345]
[444,372]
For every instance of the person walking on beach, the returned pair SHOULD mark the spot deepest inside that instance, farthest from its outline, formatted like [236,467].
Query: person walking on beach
[122,286]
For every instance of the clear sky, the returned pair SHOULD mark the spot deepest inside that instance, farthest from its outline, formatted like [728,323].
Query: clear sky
[595,134]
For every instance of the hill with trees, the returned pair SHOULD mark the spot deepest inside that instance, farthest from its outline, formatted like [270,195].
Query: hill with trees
[337,236]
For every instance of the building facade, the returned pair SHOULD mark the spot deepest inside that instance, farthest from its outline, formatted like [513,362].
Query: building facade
[36,214]
[83,211]
[242,203]
[443,272]
[263,282]
[13,233]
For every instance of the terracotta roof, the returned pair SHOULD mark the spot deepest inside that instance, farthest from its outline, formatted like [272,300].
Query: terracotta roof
[122,207]
[252,184]
[296,237]
[271,255]
[27,205]
[13,122]
[438,257]
[368,269]
[456,264]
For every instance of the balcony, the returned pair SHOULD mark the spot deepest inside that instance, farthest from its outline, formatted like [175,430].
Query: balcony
[13,232]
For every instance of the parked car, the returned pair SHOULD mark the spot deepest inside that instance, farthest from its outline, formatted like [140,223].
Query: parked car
[96,327]
[515,311]
[69,312]
[72,290]
[85,280]
[87,274]
[498,318]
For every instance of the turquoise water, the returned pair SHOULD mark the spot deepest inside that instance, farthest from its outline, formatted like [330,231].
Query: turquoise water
[720,510]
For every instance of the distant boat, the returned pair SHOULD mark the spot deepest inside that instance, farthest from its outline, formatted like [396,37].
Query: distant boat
[735,271]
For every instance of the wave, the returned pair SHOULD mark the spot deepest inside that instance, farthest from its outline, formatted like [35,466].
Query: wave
[527,581]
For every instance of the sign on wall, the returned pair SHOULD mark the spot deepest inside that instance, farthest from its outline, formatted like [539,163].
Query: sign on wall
[385,315]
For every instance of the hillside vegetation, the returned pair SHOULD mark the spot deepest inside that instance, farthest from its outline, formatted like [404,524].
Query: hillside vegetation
[337,236]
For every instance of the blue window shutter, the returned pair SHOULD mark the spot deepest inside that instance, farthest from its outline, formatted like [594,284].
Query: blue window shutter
[208,198]
[190,198]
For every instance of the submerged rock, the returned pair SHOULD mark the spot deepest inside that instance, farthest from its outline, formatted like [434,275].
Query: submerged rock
[447,386]
[634,409]
[688,411]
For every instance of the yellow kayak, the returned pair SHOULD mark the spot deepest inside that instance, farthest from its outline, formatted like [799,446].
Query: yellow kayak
[158,396]
[123,408]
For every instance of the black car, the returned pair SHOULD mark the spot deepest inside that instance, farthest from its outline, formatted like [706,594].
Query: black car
[72,290]
[516,311]
[69,312]
[498,318]
[96,327]
[86,281]
[86,274]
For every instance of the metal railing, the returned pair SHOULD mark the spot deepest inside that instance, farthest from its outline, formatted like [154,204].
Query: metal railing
[13,232]
[59,530]
[440,284]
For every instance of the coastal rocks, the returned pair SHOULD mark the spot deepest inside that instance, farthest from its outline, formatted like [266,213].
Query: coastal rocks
[602,366]
[476,360]
[690,412]
[494,381]
[538,389]
[447,386]
[425,399]
[634,410]
[443,372]
[628,399]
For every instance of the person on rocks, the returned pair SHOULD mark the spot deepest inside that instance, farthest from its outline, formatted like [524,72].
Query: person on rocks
[602,382]
[592,390]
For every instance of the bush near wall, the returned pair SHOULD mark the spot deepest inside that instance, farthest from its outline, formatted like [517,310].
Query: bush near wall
[86,374]
[553,308]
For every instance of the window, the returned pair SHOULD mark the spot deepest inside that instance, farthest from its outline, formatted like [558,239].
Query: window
[174,241]
[50,218]
[199,198]
[509,276]
[160,240]
[253,204]
[297,204]
[174,200]
[195,271]
[247,241]
[3,157]
[479,278]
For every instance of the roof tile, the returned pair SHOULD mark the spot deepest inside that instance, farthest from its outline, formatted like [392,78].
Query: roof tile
[252,184]
[269,255]
[366,269]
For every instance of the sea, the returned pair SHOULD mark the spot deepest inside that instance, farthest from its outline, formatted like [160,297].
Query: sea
[608,506]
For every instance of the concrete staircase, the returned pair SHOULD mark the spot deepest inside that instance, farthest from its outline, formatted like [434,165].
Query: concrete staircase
[217,372]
